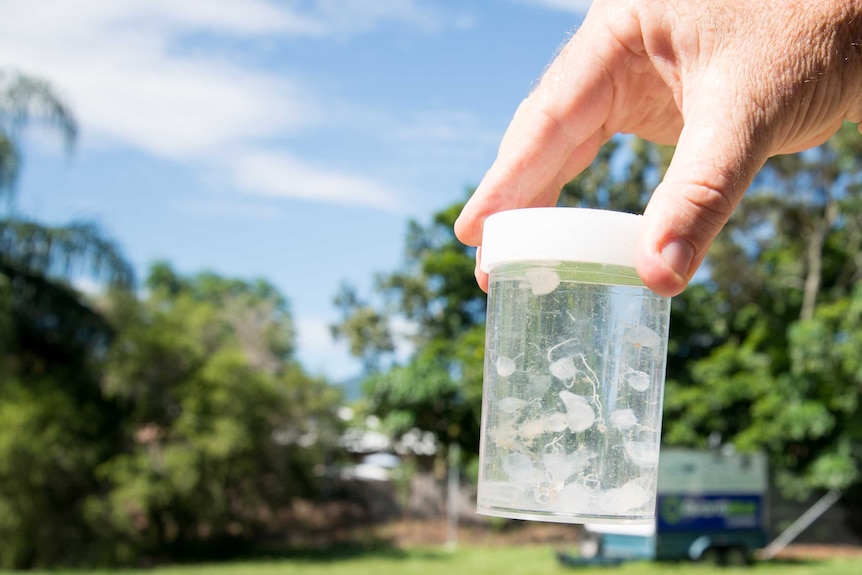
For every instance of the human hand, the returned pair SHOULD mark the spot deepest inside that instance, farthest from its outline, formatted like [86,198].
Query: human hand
[730,82]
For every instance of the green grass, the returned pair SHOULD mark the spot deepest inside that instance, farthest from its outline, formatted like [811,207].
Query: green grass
[533,560]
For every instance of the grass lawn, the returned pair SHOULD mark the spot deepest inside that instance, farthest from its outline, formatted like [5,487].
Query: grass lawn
[529,560]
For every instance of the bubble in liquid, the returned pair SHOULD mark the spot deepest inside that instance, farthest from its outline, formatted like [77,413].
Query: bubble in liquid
[623,419]
[563,368]
[505,366]
[625,499]
[642,453]
[574,498]
[637,380]
[520,468]
[642,336]
[579,413]
[511,404]
[542,281]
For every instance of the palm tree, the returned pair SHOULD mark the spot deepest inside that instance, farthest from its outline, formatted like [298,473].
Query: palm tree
[40,312]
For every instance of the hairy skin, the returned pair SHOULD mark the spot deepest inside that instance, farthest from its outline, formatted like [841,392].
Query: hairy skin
[730,82]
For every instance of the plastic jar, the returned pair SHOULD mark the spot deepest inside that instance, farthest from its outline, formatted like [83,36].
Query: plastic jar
[575,358]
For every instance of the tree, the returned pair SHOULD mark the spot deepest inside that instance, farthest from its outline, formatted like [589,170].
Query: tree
[782,280]
[55,425]
[224,427]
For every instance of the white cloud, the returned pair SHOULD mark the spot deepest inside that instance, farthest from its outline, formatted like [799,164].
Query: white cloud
[126,69]
[574,6]
[280,174]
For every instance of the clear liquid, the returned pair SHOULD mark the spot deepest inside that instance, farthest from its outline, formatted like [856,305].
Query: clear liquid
[572,401]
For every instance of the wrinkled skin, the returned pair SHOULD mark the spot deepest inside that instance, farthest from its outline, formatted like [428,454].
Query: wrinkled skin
[730,82]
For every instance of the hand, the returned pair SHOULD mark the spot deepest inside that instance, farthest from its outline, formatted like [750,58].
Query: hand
[730,82]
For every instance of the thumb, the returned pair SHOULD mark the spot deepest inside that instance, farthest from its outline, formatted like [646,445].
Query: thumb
[712,167]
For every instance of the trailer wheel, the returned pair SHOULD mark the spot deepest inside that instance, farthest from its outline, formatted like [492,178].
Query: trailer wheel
[711,556]
[589,545]
[737,556]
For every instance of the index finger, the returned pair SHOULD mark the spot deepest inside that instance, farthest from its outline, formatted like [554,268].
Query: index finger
[555,133]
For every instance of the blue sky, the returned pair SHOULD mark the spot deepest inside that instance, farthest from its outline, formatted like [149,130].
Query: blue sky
[289,140]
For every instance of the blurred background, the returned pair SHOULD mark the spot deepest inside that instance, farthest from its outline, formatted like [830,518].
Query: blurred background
[234,320]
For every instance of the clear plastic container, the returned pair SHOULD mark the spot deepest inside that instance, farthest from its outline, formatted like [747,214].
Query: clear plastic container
[575,359]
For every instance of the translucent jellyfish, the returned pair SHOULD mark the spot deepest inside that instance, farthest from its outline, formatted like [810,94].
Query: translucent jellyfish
[625,499]
[556,422]
[563,368]
[642,336]
[560,465]
[552,423]
[542,280]
[539,384]
[576,499]
[520,468]
[579,413]
[637,380]
[511,404]
[623,419]
[505,366]
[642,453]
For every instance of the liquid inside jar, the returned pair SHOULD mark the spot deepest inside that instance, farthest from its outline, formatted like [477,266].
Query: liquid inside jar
[572,401]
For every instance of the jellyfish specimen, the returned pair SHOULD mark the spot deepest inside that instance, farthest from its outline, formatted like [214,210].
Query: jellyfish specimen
[520,468]
[563,368]
[505,366]
[637,380]
[542,280]
[580,415]
[575,498]
[642,453]
[642,336]
[623,419]
[511,404]
[538,384]
[550,423]
[559,465]
[625,499]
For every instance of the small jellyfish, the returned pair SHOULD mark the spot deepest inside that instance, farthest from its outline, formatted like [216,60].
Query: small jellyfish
[563,368]
[637,380]
[552,423]
[579,413]
[511,404]
[532,429]
[623,419]
[556,422]
[642,453]
[538,384]
[505,366]
[560,465]
[642,336]
[625,499]
[542,280]
[575,499]
[520,468]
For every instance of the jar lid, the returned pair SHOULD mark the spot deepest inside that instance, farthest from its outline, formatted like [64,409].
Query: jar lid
[561,234]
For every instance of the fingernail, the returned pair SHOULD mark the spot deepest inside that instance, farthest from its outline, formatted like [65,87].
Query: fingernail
[678,254]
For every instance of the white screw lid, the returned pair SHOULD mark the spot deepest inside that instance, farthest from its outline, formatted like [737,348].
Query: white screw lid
[560,234]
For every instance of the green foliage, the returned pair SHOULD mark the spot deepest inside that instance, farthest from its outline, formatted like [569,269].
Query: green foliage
[24,99]
[223,428]
[438,388]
